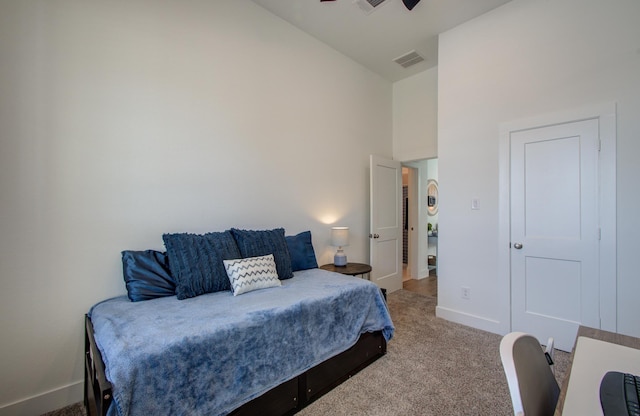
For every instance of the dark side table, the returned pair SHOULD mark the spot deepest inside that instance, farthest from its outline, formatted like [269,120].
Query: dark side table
[352,269]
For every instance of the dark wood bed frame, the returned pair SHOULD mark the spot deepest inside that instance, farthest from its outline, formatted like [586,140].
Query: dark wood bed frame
[285,399]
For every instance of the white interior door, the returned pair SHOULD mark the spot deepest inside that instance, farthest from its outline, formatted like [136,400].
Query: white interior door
[386,223]
[554,230]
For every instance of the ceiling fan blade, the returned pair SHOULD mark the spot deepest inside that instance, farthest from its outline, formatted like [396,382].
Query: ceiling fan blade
[410,4]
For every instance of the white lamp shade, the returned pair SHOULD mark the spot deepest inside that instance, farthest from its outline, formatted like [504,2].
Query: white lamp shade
[339,236]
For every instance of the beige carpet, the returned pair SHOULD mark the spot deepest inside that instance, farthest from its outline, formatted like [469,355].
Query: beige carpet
[432,367]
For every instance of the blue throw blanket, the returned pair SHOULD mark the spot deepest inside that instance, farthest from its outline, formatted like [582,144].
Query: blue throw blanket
[210,354]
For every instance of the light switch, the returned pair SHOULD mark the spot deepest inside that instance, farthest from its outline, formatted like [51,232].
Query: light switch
[475,203]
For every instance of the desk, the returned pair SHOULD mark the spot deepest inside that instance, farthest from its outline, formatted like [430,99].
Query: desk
[597,334]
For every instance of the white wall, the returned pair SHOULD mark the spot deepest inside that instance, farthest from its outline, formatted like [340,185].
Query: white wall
[123,120]
[415,103]
[524,59]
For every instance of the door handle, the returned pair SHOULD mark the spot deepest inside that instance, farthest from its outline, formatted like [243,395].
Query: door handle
[374,236]
[517,246]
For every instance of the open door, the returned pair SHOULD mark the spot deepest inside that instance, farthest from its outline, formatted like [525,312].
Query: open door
[385,236]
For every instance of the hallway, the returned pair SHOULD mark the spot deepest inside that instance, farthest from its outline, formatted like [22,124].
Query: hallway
[427,286]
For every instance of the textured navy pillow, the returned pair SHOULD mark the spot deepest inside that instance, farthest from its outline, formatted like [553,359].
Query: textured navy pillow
[196,261]
[146,274]
[260,243]
[303,256]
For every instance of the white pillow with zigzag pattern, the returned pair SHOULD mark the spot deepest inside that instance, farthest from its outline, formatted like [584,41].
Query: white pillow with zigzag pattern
[252,273]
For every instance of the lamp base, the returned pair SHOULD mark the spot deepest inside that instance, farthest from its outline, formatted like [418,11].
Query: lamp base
[340,259]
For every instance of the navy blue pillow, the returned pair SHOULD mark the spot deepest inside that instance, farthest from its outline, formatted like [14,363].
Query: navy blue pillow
[146,274]
[303,256]
[260,243]
[196,263]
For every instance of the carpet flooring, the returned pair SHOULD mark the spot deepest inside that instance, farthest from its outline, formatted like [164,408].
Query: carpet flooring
[432,367]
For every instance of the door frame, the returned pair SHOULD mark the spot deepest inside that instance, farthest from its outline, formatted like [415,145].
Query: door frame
[418,253]
[413,220]
[606,116]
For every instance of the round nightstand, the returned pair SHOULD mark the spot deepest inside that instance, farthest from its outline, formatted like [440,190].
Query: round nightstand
[352,269]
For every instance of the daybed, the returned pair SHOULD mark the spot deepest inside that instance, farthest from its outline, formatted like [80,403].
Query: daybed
[235,351]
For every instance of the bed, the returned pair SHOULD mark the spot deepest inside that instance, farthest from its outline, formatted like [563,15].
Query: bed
[267,351]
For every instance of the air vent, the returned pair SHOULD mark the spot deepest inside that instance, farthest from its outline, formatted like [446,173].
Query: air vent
[368,6]
[408,59]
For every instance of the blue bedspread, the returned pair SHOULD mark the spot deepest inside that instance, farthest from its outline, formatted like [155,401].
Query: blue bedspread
[210,354]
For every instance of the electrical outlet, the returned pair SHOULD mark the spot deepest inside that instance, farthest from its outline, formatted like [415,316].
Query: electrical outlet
[466,292]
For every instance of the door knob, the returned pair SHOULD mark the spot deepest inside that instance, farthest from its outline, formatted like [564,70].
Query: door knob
[517,246]
[374,236]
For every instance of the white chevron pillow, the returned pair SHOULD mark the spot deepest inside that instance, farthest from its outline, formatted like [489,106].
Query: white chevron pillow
[252,273]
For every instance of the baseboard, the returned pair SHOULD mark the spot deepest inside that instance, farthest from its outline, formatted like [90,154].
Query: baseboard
[473,321]
[45,402]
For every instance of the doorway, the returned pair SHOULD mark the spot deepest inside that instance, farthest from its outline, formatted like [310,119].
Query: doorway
[554,230]
[557,223]
[420,221]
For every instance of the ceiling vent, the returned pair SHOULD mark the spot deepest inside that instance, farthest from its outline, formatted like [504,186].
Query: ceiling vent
[409,59]
[368,6]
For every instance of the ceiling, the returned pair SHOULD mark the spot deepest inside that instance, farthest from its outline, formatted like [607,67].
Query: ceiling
[376,38]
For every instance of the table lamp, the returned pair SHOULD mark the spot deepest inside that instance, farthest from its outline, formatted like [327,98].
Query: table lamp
[340,238]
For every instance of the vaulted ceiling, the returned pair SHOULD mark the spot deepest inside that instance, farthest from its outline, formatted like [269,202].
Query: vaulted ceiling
[376,37]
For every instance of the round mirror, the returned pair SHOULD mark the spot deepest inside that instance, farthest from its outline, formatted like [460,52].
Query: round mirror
[432,197]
